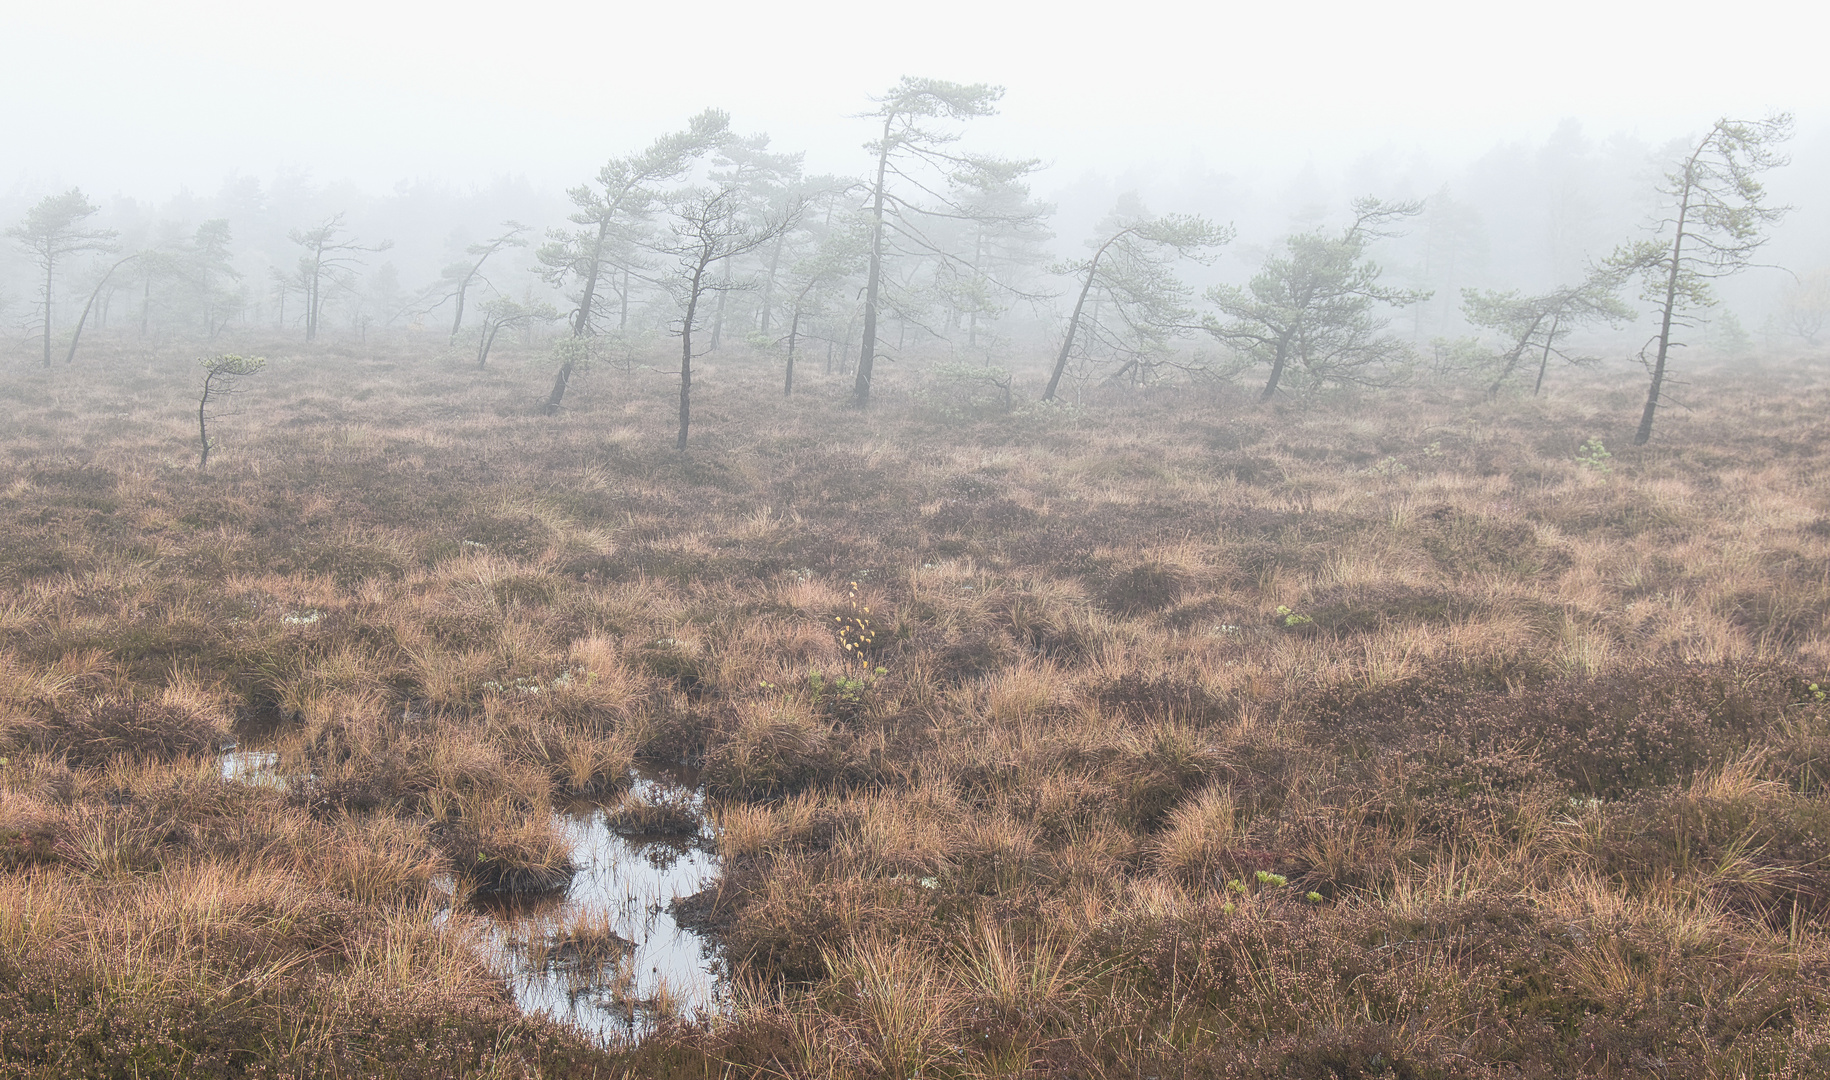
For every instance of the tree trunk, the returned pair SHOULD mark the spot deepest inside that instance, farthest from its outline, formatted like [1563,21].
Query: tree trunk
[203,431]
[49,262]
[458,322]
[861,388]
[1277,370]
[559,388]
[582,325]
[488,339]
[311,299]
[794,328]
[313,305]
[768,289]
[1067,343]
[1544,363]
[686,356]
[1517,354]
[718,313]
[70,357]
[1644,434]
[622,318]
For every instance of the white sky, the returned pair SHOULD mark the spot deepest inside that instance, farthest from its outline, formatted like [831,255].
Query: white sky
[142,97]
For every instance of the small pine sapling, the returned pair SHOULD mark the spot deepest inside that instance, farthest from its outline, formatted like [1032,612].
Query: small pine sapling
[221,376]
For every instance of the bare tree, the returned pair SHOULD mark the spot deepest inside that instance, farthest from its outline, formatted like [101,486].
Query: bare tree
[707,226]
[328,256]
[1716,216]
[1805,305]
[221,376]
[53,230]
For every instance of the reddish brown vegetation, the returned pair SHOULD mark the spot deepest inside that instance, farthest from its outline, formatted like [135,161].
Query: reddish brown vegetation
[1179,738]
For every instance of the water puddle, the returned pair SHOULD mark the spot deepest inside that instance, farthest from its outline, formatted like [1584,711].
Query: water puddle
[607,955]
[260,767]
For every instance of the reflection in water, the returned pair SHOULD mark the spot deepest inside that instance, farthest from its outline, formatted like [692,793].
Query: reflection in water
[608,955]
[252,767]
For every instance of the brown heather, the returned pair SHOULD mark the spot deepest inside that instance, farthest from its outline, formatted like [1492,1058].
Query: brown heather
[1182,737]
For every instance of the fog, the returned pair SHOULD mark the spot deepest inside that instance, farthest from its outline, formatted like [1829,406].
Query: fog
[1533,137]
[965,538]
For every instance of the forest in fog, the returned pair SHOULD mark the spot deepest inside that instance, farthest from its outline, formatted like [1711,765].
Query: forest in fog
[935,246]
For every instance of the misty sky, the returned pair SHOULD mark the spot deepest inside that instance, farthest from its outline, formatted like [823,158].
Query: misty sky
[146,97]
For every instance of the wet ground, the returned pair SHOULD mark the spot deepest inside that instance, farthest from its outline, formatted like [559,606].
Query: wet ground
[605,954]
[625,885]
[252,766]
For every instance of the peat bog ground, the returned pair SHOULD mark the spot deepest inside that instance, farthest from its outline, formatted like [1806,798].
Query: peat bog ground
[1395,735]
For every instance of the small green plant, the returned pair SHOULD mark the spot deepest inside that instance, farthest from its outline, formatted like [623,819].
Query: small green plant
[1261,882]
[1291,618]
[1817,693]
[1594,457]
[841,696]
[961,392]
[837,690]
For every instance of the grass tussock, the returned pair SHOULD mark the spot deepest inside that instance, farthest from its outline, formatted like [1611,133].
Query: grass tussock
[1172,736]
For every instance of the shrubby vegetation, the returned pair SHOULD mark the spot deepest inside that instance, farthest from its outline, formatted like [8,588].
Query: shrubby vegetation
[1169,734]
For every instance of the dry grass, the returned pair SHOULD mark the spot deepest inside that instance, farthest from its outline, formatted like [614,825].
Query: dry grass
[1179,737]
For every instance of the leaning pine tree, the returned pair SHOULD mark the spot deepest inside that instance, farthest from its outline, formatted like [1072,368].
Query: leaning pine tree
[1131,267]
[610,213]
[1716,219]
[912,144]
[221,376]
